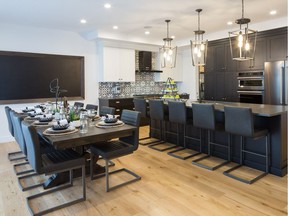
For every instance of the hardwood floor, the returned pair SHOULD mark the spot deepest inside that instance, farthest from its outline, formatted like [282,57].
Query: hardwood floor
[169,187]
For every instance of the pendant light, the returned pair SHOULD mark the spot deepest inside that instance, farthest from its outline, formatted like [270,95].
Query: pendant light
[167,52]
[243,41]
[199,46]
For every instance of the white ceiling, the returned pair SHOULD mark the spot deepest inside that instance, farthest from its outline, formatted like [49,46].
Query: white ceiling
[132,16]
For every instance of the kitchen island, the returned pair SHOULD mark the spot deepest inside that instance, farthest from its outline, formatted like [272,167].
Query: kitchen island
[272,117]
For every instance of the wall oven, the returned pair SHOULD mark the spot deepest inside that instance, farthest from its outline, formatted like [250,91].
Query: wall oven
[251,87]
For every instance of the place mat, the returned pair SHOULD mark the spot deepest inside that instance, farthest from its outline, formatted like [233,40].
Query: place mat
[50,131]
[29,118]
[102,124]
[96,118]
[37,123]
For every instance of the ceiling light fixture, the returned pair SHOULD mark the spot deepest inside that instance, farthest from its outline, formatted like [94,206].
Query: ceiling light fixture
[273,12]
[107,5]
[199,45]
[115,27]
[83,21]
[167,52]
[147,32]
[243,41]
[229,23]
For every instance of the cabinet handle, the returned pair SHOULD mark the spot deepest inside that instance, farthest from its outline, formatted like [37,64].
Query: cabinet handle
[117,110]
[117,102]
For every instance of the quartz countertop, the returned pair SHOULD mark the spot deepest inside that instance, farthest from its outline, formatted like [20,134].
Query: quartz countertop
[258,109]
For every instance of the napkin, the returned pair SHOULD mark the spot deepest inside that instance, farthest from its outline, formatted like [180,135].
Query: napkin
[38,110]
[61,122]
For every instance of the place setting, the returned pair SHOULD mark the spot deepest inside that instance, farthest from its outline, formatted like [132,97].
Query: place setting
[44,120]
[109,121]
[61,127]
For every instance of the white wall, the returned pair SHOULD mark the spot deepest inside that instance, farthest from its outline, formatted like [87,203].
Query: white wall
[39,40]
[189,84]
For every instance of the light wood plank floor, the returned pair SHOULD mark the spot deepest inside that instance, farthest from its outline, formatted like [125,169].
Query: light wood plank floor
[169,187]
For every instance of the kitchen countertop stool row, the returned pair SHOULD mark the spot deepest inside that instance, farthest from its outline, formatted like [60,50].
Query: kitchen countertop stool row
[238,121]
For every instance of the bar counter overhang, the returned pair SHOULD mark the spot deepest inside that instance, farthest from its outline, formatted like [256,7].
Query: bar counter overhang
[273,117]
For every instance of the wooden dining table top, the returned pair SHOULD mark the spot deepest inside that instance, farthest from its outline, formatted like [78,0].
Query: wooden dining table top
[93,135]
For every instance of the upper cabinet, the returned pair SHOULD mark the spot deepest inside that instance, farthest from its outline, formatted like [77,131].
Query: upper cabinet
[277,47]
[118,65]
[219,58]
[175,73]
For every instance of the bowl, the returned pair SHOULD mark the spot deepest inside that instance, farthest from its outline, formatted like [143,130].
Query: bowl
[60,127]
[110,120]
[45,119]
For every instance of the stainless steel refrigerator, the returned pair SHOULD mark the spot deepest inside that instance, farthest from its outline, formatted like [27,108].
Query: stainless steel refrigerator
[276,83]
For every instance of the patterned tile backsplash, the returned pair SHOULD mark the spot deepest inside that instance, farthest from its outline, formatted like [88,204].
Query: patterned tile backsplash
[144,84]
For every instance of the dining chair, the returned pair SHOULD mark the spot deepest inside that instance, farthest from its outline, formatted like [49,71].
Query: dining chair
[91,107]
[118,148]
[17,155]
[57,161]
[44,147]
[78,104]
[16,120]
[104,110]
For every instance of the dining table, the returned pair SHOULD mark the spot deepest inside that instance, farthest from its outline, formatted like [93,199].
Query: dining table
[78,140]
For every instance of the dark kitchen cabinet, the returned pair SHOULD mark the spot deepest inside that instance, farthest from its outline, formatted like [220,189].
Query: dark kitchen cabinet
[219,58]
[221,70]
[209,86]
[118,103]
[221,86]
[277,47]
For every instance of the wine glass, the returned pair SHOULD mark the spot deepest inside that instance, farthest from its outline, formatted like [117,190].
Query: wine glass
[91,114]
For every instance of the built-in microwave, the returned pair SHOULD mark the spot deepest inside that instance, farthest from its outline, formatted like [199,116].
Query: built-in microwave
[251,81]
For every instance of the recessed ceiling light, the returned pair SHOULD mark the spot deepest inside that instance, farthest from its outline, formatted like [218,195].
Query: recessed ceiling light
[107,5]
[229,23]
[83,21]
[273,12]
[147,32]
[115,27]
[173,36]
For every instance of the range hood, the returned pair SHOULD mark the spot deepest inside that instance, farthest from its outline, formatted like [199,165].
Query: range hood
[145,62]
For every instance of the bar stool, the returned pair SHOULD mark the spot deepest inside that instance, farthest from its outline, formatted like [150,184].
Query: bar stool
[157,114]
[178,115]
[239,121]
[204,117]
[140,105]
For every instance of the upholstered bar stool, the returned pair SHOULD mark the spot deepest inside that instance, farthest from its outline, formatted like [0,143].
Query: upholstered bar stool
[178,115]
[140,105]
[240,121]
[157,114]
[204,118]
